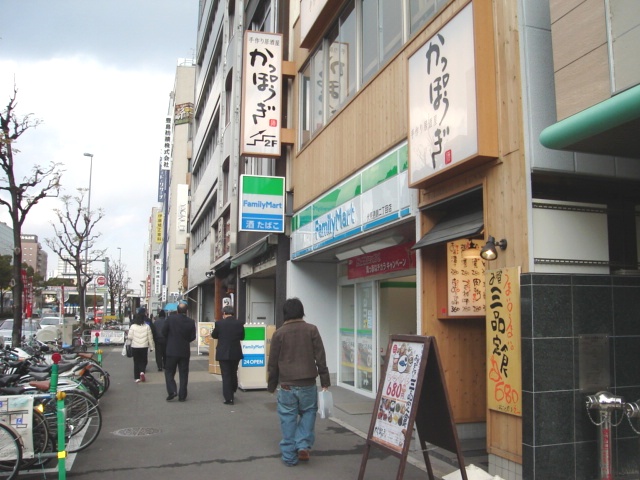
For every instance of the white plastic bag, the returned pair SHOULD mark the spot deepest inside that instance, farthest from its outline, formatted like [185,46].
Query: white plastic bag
[124,349]
[325,404]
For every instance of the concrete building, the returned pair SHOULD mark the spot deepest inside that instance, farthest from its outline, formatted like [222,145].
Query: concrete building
[6,239]
[245,266]
[421,121]
[34,255]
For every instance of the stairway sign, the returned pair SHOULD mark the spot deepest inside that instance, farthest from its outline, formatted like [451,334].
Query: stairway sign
[412,391]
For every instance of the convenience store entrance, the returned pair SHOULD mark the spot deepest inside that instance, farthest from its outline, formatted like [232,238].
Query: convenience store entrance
[369,313]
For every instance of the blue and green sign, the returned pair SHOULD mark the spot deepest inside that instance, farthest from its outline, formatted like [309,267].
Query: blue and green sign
[261,204]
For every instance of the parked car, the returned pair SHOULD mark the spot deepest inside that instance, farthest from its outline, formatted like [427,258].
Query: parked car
[52,325]
[29,328]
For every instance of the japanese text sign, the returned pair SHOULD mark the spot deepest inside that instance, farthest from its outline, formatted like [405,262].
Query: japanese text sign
[504,353]
[465,277]
[397,396]
[261,99]
[386,260]
[443,127]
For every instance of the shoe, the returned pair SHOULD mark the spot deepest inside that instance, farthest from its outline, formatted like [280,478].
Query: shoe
[303,455]
[171,396]
[182,399]
[159,369]
[228,402]
[142,379]
[137,380]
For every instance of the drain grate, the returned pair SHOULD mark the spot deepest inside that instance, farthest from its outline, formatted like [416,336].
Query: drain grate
[137,432]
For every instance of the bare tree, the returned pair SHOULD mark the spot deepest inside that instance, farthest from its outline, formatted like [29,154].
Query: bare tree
[117,281]
[75,240]
[20,198]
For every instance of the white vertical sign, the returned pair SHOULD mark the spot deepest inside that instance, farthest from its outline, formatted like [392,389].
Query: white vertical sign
[182,214]
[262,98]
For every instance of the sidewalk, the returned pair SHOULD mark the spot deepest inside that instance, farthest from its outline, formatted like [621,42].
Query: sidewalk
[145,437]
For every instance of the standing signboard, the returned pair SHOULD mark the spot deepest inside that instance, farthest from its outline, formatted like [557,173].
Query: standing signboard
[412,391]
[252,373]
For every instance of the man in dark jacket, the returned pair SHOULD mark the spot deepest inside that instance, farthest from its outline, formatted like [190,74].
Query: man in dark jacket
[296,358]
[178,331]
[161,345]
[229,332]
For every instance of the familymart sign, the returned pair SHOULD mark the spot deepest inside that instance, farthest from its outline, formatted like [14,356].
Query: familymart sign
[375,196]
[261,204]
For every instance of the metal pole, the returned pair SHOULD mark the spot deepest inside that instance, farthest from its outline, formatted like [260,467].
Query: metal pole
[86,252]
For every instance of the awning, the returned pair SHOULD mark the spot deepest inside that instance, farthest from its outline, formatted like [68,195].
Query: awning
[250,252]
[453,226]
[609,128]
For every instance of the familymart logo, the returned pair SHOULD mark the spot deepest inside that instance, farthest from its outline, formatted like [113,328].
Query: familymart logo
[335,221]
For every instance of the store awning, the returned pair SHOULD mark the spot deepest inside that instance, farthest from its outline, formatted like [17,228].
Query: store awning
[250,252]
[609,128]
[453,226]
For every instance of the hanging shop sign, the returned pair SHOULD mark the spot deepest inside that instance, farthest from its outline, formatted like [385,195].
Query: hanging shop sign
[465,277]
[159,226]
[165,158]
[373,197]
[452,108]
[261,94]
[182,213]
[183,113]
[504,352]
[261,204]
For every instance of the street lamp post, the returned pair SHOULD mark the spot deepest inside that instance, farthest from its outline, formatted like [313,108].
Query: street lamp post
[120,286]
[86,252]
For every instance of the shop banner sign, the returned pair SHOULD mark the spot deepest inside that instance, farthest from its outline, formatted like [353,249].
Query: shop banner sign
[504,352]
[261,94]
[373,197]
[254,346]
[387,260]
[107,337]
[443,128]
[261,204]
[182,210]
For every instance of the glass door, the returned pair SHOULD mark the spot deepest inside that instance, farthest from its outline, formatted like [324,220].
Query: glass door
[358,327]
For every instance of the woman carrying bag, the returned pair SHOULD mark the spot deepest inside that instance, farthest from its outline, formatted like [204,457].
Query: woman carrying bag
[140,338]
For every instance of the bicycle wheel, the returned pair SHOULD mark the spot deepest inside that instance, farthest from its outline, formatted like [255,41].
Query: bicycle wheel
[10,450]
[41,441]
[83,420]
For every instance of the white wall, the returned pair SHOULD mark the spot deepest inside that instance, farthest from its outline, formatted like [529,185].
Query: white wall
[315,284]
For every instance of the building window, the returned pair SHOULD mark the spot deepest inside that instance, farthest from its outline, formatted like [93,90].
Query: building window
[370,54]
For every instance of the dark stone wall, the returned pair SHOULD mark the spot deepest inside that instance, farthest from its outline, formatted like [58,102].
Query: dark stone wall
[559,440]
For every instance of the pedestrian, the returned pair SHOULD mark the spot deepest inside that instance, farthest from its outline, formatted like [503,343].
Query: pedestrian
[161,344]
[178,331]
[229,332]
[140,338]
[296,358]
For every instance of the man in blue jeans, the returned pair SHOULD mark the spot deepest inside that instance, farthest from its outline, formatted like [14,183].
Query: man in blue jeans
[296,358]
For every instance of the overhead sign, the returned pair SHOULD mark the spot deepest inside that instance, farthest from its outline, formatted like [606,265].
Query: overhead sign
[261,204]
[261,94]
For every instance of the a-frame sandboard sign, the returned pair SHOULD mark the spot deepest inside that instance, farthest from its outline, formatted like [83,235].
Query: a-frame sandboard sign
[412,391]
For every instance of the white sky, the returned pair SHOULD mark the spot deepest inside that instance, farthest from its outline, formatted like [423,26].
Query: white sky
[98,75]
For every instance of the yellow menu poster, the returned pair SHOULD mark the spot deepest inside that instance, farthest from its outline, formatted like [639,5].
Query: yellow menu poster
[504,353]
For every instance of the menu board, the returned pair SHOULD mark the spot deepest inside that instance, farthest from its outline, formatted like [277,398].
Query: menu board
[465,276]
[397,397]
[504,352]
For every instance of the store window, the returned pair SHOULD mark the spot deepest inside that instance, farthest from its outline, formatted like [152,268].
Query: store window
[366,35]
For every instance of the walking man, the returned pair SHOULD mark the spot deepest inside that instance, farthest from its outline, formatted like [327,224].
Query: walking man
[178,331]
[229,332]
[296,358]
[161,345]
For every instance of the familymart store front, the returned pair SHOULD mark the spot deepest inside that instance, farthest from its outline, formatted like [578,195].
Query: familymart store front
[354,245]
